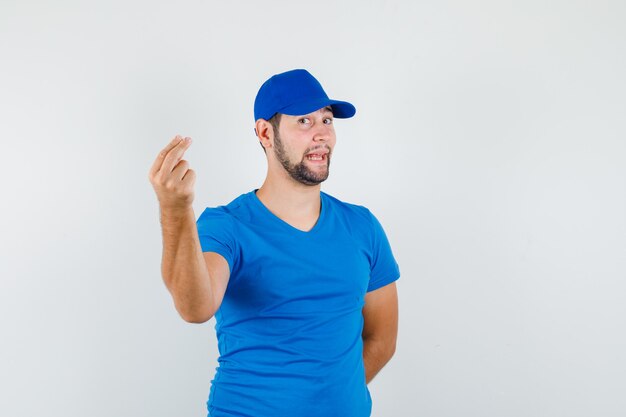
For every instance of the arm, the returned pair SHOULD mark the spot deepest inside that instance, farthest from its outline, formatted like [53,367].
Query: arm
[183,267]
[380,328]
[188,275]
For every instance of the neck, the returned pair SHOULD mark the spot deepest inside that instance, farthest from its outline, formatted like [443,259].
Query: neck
[289,198]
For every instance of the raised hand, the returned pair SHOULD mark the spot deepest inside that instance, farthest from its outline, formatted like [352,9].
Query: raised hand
[171,177]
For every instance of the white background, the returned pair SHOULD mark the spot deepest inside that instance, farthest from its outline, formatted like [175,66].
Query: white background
[489,140]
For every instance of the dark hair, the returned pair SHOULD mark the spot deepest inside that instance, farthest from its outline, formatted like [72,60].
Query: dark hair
[275,122]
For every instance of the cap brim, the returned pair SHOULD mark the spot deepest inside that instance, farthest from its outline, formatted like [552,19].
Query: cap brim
[341,109]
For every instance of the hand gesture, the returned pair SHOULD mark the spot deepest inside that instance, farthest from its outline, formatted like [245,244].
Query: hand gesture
[171,177]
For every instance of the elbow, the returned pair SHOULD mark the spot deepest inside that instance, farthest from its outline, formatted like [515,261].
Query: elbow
[196,320]
[384,348]
[195,316]
[389,350]
[192,311]
[392,351]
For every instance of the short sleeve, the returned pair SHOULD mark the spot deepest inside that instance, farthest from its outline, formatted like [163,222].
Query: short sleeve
[384,268]
[215,230]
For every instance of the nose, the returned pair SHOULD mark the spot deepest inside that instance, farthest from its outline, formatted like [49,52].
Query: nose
[323,132]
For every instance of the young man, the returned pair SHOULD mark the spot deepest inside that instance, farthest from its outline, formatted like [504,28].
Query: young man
[301,284]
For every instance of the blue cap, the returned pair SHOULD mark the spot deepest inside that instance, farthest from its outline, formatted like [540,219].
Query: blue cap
[295,93]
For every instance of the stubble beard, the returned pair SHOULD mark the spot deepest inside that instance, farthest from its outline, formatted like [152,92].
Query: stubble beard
[299,171]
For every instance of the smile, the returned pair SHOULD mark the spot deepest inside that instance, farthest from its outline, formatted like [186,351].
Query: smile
[316,158]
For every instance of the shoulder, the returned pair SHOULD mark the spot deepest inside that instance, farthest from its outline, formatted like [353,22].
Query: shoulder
[355,213]
[223,214]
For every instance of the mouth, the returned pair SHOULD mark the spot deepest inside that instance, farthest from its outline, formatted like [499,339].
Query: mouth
[318,159]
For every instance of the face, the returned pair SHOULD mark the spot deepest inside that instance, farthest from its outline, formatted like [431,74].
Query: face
[305,145]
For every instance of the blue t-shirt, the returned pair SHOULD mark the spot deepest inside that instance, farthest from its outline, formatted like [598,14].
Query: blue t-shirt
[289,326]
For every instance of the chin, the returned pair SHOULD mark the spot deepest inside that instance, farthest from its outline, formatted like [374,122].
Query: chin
[313,182]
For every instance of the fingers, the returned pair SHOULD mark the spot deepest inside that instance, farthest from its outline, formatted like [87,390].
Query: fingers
[189,179]
[174,155]
[178,143]
[156,166]
[180,169]
[171,177]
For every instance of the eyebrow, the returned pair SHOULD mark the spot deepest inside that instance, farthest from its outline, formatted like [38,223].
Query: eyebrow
[328,109]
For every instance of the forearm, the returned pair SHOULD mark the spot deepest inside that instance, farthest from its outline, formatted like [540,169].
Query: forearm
[376,354]
[183,267]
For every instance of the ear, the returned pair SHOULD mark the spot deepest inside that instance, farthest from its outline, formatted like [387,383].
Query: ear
[264,132]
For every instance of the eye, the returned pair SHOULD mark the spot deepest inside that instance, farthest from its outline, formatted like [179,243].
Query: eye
[303,118]
[329,119]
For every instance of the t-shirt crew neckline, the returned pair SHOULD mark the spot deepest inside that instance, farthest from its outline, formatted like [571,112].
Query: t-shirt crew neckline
[281,223]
